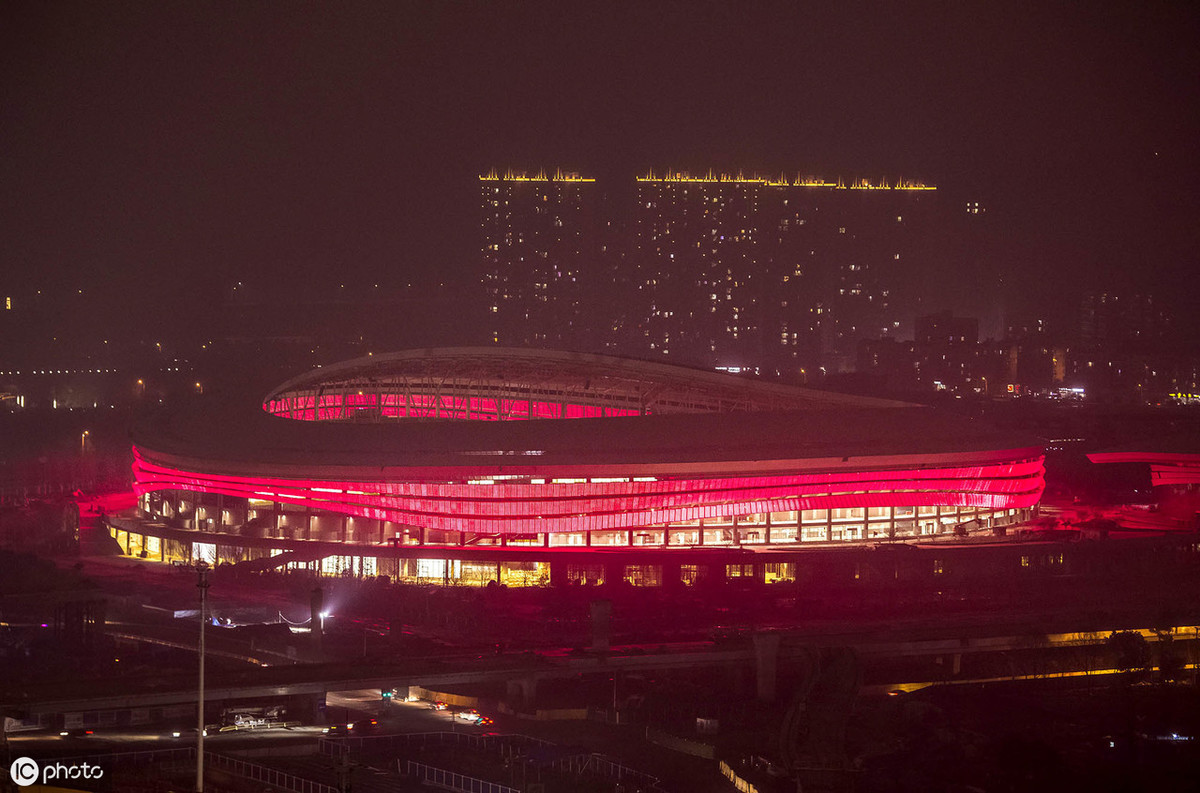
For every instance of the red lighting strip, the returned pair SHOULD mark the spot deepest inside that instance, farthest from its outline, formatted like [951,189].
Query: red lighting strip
[1166,468]
[528,508]
[1161,475]
[336,406]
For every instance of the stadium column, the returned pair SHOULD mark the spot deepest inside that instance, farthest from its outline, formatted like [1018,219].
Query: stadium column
[672,580]
[614,572]
[558,573]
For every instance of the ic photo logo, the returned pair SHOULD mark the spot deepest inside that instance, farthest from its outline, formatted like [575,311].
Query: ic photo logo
[24,771]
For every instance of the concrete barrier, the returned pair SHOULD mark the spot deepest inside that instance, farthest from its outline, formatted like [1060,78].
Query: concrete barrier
[685,745]
[546,714]
[738,782]
[455,700]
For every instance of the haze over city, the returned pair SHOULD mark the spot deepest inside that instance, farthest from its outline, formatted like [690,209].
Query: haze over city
[561,397]
[160,154]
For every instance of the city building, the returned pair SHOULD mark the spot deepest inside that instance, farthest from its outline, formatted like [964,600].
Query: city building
[948,353]
[530,467]
[773,274]
[1129,349]
[542,245]
[1121,323]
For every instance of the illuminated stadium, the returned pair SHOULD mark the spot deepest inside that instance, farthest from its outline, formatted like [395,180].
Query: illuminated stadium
[526,467]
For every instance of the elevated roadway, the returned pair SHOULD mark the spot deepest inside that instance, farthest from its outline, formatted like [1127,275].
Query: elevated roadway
[451,670]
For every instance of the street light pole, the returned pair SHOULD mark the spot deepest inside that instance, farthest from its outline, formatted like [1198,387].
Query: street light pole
[202,585]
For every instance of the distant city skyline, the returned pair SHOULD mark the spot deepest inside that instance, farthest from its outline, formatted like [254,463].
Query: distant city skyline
[156,152]
[736,269]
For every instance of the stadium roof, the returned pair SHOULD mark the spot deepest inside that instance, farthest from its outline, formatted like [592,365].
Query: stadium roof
[806,428]
[551,376]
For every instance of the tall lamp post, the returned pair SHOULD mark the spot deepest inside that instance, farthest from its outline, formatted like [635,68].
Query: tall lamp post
[202,585]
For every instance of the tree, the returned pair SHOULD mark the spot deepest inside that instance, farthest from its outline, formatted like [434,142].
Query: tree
[1131,651]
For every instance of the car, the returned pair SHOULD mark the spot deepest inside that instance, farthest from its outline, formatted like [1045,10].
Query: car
[190,732]
[474,717]
[338,729]
[365,726]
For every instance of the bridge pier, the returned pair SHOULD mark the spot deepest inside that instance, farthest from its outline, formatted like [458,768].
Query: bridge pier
[601,624]
[306,708]
[521,693]
[766,664]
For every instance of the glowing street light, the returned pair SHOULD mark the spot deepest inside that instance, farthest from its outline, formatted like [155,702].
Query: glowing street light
[83,442]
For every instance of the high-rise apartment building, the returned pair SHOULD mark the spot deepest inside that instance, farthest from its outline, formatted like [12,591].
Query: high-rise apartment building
[540,245]
[700,268]
[773,272]
[1122,323]
[780,274]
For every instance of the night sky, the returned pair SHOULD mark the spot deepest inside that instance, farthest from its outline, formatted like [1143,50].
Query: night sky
[157,150]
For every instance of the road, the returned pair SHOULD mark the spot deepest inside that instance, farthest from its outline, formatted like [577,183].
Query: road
[352,706]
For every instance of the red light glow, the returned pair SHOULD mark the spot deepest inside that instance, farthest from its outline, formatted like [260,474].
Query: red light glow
[334,407]
[1165,468]
[524,507]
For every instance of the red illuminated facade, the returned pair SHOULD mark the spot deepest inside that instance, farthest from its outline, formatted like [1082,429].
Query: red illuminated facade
[1174,475]
[1167,469]
[451,464]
